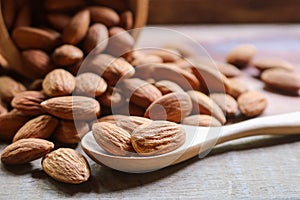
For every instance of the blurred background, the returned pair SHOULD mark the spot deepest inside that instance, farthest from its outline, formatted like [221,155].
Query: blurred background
[223,11]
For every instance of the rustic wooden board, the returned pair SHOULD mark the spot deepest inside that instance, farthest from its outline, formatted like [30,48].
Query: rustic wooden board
[254,168]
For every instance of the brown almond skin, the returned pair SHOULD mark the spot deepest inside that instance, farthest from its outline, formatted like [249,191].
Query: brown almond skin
[58,20]
[9,88]
[35,38]
[235,87]
[96,39]
[3,109]
[66,55]
[111,98]
[226,102]
[69,132]
[63,5]
[104,15]
[279,79]
[28,102]
[9,10]
[252,103]
[40,127]
[171,107]
[157,137]
[72,107]
[272,63]
[167,55]
[24,16]
[108,67]
[77,28]
[241,55]
[166,87]
[228,70]
[10,123]
[112,138]
[90,84]
[130,123]
[25,150]
[67,166]
[126,20]
[58,82]
[130,109]
[139,92]
[37,63]
[201,120]
[36,85]
[202,104]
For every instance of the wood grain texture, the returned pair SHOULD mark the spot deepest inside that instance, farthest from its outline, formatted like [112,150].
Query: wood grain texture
[226,11]
[253,168]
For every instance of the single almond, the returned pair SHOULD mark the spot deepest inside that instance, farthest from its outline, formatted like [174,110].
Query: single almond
[252,103]
[241,55]
[70,132]
[72,107]
[226,102]
[235,87]
[9,88]
[67,166]
[126,20]
[139,92]
[108,67]
[10,123]
[35,38]
[58,20]
[111,98]
[104,15]
[58,82]
[172,107]
[166,87]
[40,127]
[63,5]
[201,120]
[77,28]
[96,39]
[28,102]
[157,137]
[202,104]
[271,63]
[25,150]
[130,123]
[112,138]
[37,63]
[90,84]
[283,80]
[66,55]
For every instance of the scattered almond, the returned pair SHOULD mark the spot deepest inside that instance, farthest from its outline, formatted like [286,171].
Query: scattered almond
[271,63]
[252,103]
[241,55]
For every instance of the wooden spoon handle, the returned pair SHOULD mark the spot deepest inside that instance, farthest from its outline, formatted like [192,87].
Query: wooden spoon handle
[282,124]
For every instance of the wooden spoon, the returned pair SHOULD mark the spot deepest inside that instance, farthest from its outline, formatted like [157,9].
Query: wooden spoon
[198,140]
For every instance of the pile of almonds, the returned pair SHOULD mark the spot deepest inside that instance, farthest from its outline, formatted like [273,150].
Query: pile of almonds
[132,103]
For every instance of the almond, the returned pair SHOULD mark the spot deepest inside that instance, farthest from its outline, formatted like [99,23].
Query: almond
[130,123]
[126,20]
[70,132]
[63,5]
[172,107]
[37,63]
[58,21]
[104,15]
[112,138]
[72,107]
[59,82]
[112,118]
[271,63]
[241,55]
[25,150]
[111,98]
[35,38]
[228,70]
[9,88]
[40,127]
[157,137]
[201,120]
[161,71]
[120,43]
[66,55]
[96,39]
[28,102]
[167,87]
[36,85]
[252,103]
[202,104]
[67,166]
[167,55]
[90,84]
[235,87]
[145,59]
[10,123]
[77,28]
[110,68]
[283,80]
[139,92]
[226,102]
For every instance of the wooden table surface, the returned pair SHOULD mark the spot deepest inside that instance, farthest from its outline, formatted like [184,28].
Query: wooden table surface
[253,168]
